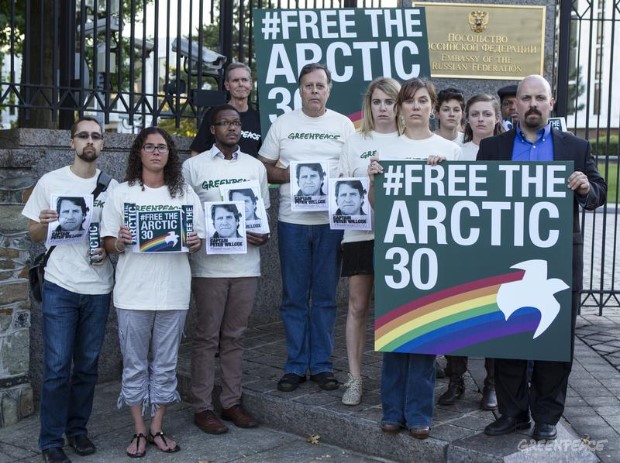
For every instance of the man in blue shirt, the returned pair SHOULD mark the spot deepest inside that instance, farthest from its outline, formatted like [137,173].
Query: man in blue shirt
[534,140]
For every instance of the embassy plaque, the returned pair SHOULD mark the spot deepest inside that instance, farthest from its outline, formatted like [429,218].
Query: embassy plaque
[480,41]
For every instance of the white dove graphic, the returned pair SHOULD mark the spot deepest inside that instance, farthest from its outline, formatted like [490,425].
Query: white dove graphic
[534,290]
[172,237]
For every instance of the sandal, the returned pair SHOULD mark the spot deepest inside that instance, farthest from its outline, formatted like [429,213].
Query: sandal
[289,382]
[138,454]
[326,380]
[161,434]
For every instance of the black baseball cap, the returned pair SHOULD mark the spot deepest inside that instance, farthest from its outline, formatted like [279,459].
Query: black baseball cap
[508,90]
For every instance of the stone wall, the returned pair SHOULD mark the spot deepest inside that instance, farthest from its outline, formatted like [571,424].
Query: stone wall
[16,394]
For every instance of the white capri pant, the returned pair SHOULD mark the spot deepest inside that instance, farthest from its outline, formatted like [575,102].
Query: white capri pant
[158,332]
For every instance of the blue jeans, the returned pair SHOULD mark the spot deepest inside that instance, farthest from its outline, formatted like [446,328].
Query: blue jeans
[73,329]
[310,263]
[407,388]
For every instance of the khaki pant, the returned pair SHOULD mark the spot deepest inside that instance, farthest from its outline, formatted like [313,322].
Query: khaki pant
[223,307]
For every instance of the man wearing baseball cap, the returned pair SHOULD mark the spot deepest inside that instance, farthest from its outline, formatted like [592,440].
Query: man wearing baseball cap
[508,101]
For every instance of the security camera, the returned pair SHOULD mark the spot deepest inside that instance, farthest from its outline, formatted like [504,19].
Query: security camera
[212,62]
[147,45]
[102,25]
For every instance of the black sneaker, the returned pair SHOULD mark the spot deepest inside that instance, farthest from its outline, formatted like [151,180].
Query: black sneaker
[55,455]
[81,444]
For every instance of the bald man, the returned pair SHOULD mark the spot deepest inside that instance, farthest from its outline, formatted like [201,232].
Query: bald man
[534,140]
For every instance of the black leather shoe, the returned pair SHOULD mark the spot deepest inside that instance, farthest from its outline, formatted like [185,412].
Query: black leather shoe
[489,399]
[456,388]
[82,444]
[506,424]
[544,431]
[55,455]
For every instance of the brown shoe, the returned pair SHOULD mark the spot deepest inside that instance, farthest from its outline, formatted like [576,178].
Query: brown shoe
[209,423]
[239,417]
[420,432]
[391,428]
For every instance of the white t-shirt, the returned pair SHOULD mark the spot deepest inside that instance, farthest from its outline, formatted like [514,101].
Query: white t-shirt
[297,137]
[205,173]
[403,148]
[150,281]
[69,265]
[354,162]
[469,151]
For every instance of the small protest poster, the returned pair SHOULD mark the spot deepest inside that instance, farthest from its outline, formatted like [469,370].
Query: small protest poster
[256,219]
[225,222]
[474,259]
[160,231]
[309,186]
[348,207]
[74,217]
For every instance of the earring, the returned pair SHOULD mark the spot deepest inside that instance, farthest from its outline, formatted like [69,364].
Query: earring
[432,116]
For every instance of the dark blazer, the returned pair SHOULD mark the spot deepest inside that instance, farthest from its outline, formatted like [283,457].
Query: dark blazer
[566,147]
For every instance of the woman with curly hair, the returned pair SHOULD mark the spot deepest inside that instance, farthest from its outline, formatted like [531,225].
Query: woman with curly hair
[152,289]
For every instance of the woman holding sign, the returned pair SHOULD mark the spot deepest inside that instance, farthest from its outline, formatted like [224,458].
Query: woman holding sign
[378,126]
[483,116]
[152,289]
[408,379]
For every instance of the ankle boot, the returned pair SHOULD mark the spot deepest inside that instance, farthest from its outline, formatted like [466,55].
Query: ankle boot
[456,388]
[489,398]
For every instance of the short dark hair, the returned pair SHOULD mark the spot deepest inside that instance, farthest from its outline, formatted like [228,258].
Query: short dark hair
[218,109]
[77,200]
[356,184]
[308,68]
[84,119]
[315,166]
[227,207]
[245,192]
[448,94]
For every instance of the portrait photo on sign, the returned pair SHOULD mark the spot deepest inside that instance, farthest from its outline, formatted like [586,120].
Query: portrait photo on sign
[349,208]
[225,222]
[256,219]
[74,216]
[309,186]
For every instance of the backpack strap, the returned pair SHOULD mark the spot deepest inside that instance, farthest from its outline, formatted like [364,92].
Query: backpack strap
[102,183]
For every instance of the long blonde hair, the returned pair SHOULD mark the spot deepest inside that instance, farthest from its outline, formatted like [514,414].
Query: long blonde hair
[388,86]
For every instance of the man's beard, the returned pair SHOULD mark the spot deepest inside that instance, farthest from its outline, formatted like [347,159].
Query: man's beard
[89,156]
[533,125]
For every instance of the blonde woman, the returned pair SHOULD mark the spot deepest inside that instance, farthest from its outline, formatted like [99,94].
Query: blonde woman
[378,127]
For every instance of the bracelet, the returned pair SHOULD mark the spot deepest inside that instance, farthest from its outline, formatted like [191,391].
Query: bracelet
[120,251]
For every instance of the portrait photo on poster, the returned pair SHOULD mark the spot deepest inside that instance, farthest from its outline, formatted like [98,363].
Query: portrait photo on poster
[349,208]
[74,217]
[225,222]
[256,219]
[309,186]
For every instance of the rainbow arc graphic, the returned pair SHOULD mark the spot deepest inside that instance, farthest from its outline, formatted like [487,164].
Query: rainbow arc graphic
[454,318]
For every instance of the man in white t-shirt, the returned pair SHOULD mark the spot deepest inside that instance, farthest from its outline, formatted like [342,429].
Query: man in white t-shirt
[76,299]
[309,250]
[224,285]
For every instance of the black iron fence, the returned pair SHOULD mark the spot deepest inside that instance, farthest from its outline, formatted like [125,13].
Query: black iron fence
[586,94]
[138,62]
[132,61]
